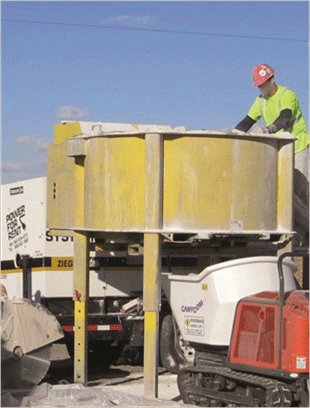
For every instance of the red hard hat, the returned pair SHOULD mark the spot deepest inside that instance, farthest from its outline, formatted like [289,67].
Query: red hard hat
[261,74]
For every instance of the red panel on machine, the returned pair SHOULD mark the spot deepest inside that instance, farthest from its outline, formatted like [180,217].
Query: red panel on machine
[295,356]
[255,339]
[254,342]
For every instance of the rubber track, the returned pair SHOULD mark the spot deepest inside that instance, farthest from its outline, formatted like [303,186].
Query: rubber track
[252,379]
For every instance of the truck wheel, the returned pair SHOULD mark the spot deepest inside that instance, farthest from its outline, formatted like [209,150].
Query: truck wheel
[133,355]
[100,353]
[103,354]
[173,350]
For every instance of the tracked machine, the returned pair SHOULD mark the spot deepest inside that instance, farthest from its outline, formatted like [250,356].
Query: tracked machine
[249,352]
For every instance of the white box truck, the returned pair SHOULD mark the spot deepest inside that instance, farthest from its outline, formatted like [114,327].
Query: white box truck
[39,266]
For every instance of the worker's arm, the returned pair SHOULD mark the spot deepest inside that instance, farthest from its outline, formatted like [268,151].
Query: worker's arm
[245,124]
[252,117]
[282,121]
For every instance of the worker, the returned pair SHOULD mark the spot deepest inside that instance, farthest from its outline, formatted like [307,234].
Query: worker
[279,106]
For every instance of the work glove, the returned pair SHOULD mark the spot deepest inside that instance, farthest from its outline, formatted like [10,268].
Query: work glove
[264,129]
[237,132]
[272,128]
[259,129]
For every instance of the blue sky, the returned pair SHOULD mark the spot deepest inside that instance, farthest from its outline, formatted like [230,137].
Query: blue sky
[54,72]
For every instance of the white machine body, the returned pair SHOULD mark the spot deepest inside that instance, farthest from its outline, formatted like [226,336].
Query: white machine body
[204,304]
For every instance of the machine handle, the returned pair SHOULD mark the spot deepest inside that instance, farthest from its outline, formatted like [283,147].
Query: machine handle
[303,252]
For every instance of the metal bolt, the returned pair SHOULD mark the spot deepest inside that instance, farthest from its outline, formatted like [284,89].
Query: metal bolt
[18,353]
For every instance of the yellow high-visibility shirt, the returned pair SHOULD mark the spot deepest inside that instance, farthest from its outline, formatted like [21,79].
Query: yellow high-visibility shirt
[270,108]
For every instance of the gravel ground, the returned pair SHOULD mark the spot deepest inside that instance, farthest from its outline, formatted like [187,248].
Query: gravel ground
[61,370]
[125,380]
[125,377]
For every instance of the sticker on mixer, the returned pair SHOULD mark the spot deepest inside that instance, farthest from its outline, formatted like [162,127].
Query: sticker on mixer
[236,225]
[301,363]
[194,326]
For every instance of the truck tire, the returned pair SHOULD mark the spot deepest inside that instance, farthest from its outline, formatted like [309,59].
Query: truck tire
[133,355]
[173,351]
[101,354]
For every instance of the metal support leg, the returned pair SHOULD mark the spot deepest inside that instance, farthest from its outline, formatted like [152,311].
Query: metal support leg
[151,296]
[152,259]
[285,190]
[80,296]
[80,279]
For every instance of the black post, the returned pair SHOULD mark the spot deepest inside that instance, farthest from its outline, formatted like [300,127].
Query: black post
[26,266]
[305,273]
